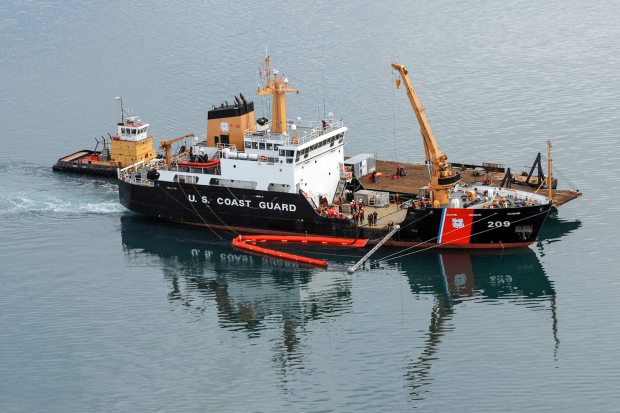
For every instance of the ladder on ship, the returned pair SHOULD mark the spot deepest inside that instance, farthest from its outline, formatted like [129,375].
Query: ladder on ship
[387,236]
[339,189]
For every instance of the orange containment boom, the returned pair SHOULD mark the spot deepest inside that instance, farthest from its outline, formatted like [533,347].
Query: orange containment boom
[241,242]
[325,241]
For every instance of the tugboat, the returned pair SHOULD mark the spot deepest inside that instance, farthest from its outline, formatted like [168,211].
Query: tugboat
[130,144]
[273,176]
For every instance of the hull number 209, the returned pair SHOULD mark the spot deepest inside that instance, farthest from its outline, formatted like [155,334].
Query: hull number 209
[498,224]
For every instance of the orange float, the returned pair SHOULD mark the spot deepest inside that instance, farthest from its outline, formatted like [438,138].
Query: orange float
[242,242]
[329,241]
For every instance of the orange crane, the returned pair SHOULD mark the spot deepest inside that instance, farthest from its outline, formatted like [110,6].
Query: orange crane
[167,146]
[442,176]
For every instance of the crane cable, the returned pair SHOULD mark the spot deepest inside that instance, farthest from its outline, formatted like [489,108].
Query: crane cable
[394,115]
[237,199]
[185,206]
[216,215]
[556,169]
[210,209]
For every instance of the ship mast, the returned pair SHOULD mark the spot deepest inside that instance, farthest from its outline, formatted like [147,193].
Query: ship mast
[120,101]
[549,173]
[443,178]
[278,88]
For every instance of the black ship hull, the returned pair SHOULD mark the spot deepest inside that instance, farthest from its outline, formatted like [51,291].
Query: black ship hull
[471,228]
[252,211]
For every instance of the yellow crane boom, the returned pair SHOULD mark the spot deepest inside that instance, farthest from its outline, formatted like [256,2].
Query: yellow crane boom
[167,146]
[442,176]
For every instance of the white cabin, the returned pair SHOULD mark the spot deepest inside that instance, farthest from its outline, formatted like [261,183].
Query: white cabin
[132,130]
[310,160]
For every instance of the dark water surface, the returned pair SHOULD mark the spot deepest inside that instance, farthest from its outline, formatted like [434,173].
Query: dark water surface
[104,310]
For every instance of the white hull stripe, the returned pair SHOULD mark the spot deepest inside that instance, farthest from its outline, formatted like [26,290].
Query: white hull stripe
[443,217]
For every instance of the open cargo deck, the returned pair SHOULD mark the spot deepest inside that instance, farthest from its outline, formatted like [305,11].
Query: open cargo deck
[84,162]
[417,177]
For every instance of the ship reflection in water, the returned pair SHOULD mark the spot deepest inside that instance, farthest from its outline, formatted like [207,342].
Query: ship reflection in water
[250,291]
[554,230]
[516,276]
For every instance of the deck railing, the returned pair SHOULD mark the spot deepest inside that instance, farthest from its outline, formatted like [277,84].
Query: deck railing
[311,131]
[136,173]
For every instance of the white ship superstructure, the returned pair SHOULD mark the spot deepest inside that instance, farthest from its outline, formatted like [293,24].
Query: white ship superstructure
[313,162]
[275,155]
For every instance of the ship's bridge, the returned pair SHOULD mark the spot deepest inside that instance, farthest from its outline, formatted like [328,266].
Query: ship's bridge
[131,130]
[301,142]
